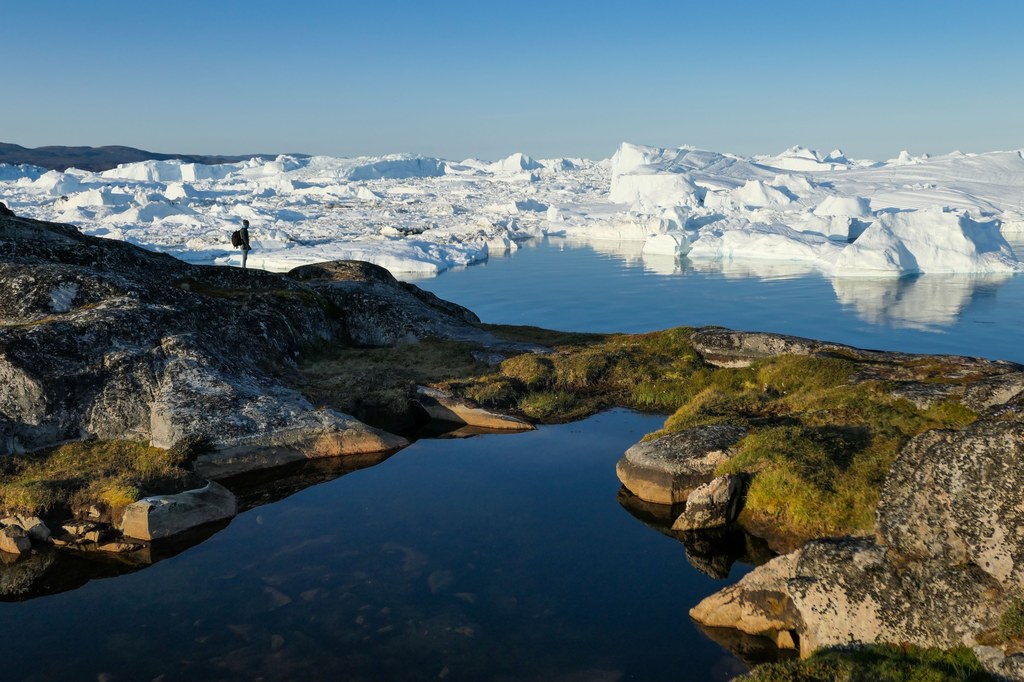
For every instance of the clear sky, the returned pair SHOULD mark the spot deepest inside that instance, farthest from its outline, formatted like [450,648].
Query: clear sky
[485,78]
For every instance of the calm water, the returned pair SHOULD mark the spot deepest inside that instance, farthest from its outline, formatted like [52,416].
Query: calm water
[492,558]
[611,287]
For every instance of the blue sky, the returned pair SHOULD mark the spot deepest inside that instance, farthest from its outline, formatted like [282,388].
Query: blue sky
[459,79]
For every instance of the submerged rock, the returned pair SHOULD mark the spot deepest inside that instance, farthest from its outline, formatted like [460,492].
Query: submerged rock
[667,469]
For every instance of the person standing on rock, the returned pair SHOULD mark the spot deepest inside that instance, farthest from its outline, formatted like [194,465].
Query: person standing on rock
[244,234]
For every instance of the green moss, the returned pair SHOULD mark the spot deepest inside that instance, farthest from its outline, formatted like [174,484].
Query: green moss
[1011,624]
[878,663]
[551,406]
[111,474]
[535,372]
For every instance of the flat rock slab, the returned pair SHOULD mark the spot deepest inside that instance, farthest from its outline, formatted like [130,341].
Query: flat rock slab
[443,407]
[162,516]
[667,469]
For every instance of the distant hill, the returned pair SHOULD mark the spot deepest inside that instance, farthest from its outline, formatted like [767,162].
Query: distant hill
[102,158]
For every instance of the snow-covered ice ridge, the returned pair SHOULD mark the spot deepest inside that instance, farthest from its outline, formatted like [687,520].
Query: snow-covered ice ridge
[421,215]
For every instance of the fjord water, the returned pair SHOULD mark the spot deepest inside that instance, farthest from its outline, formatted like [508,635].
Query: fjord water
[613,287]
[499,557]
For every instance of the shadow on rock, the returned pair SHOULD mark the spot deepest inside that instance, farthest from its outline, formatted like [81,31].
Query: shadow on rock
[712,552]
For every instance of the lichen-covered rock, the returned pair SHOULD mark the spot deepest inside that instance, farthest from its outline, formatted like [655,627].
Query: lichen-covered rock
[99,338]
[945,563]
[667,469]
[729,348]
[845,591]
[713,504]
[958,497]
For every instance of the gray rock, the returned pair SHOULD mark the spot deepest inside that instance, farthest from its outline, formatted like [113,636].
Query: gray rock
[958,497]
[945,562]
[14,540]
[713,504]
[728,348]
[162,516]
[32,525]
[667,469]
[142,346]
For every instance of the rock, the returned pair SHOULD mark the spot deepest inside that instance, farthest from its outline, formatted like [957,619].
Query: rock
[162,516]
[942,568]
[4,211]
[728,348]
[667,469]
[145,347]
[1002,667]
[32,525]
[713,504]
[443,407]
[957,497]
[759,604]
[79,528]
[120,547]
[14,540]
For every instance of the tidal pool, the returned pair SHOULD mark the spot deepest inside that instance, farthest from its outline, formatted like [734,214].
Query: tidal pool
[498,557]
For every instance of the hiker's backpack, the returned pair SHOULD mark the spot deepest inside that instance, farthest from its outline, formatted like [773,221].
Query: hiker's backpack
[236,238]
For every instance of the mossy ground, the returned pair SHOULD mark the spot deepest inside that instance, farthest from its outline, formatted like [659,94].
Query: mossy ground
[108,474]
[876,664]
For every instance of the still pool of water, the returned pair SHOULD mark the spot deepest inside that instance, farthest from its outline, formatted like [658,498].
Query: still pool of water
[491,558]
[509,557]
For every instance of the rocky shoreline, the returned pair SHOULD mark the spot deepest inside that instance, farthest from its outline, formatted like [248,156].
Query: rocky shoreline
[101,341]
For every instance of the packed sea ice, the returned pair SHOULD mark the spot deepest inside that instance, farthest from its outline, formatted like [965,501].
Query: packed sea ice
[419,216]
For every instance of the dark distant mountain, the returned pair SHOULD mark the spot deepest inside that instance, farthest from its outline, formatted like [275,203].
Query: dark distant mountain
[103,158]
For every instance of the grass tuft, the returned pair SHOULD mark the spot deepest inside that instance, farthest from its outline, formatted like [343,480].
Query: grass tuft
[109,474]
[876,663]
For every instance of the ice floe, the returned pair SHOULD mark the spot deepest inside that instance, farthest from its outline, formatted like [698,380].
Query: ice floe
[800,209]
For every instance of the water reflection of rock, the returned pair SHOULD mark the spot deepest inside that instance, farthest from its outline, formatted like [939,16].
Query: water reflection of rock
[271,485]
[712,552]
[750,649]
[921,302]
[50,571]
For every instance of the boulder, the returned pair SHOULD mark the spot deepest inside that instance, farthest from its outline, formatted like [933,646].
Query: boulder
[667,469]
[957,497]
[944,564]
[162,516]
[14,540]
[713,504]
